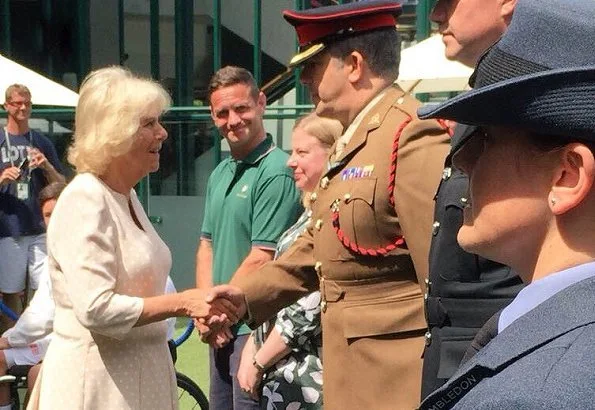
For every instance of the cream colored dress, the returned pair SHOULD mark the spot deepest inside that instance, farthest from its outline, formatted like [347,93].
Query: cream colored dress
[101,266]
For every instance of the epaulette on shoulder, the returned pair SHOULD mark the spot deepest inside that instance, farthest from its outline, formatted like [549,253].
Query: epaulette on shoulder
[407,103]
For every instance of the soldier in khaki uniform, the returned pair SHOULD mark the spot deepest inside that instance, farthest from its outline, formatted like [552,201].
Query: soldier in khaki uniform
[367,248]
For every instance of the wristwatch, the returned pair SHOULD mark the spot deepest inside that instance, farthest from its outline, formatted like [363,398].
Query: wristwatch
[257,364]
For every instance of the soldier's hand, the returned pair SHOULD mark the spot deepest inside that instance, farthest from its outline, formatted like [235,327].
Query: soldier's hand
[221,295]
[10,174]
[196,306]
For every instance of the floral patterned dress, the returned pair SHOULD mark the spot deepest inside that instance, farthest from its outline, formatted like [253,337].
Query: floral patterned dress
[295,382]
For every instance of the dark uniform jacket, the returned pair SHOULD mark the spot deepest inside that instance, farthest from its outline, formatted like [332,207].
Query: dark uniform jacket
[379,190]
[464,290]
[542,360]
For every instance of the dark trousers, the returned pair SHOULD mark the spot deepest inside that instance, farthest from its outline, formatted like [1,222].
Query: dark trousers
[225,392]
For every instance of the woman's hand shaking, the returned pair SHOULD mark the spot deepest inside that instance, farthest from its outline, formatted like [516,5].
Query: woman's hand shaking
[220,308]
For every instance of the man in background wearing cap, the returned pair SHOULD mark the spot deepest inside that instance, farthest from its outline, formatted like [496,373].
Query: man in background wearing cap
[464,290]
[531,162]
[367,248]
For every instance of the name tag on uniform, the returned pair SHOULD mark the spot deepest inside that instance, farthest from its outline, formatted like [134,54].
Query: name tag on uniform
[23,191]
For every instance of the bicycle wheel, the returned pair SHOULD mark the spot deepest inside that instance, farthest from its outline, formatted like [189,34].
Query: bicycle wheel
[190,396]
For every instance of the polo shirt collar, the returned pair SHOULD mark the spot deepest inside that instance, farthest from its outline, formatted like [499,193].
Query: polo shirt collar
[259,152]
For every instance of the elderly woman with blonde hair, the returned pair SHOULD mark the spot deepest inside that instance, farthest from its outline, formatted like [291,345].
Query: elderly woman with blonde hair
[107,264]
[288,364]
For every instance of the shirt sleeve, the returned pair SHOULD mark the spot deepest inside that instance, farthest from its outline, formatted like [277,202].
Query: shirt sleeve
[287,279]
[88,260]
[38,319]
[276,207]
[207,228]
[427,143]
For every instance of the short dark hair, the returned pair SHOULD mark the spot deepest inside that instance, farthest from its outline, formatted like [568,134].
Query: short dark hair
[51,191]
[381,48]
[232,75]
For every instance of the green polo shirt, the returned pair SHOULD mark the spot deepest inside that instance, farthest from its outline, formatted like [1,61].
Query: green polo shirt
[249,203]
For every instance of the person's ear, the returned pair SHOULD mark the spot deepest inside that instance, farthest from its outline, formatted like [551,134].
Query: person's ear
[355,64]
[507,8]
[573,178]
[262,100]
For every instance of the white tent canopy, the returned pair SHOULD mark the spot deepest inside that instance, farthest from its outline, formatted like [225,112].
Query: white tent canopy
[43,90]
[425,69]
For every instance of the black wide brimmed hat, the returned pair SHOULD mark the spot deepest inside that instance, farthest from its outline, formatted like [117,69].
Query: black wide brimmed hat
[540,76]
[318,27]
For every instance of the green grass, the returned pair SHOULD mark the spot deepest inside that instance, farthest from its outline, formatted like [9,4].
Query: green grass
[193,359]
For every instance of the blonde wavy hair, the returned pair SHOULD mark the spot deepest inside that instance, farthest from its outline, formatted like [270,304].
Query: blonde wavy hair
[112,102]
[325,130]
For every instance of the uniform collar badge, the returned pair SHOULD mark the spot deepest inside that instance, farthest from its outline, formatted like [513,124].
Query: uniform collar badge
[375,120]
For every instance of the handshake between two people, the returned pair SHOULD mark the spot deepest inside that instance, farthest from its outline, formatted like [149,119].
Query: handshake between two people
[214,311]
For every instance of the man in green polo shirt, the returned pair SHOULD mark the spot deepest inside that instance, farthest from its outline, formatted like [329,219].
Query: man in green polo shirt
[251,200]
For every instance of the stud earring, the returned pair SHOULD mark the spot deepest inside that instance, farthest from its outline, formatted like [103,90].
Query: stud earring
[553,201]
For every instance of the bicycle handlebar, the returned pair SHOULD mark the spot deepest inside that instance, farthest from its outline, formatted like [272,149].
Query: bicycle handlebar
[8,312]
[186,334]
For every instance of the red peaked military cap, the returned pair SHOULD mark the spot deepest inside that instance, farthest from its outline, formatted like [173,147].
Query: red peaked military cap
[320,26]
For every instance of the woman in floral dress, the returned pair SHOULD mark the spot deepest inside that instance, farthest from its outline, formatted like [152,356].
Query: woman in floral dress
[285,359]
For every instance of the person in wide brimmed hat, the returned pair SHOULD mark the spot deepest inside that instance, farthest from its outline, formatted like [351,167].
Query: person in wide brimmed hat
[531,165]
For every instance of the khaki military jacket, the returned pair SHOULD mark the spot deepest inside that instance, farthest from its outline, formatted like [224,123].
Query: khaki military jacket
[367,251]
